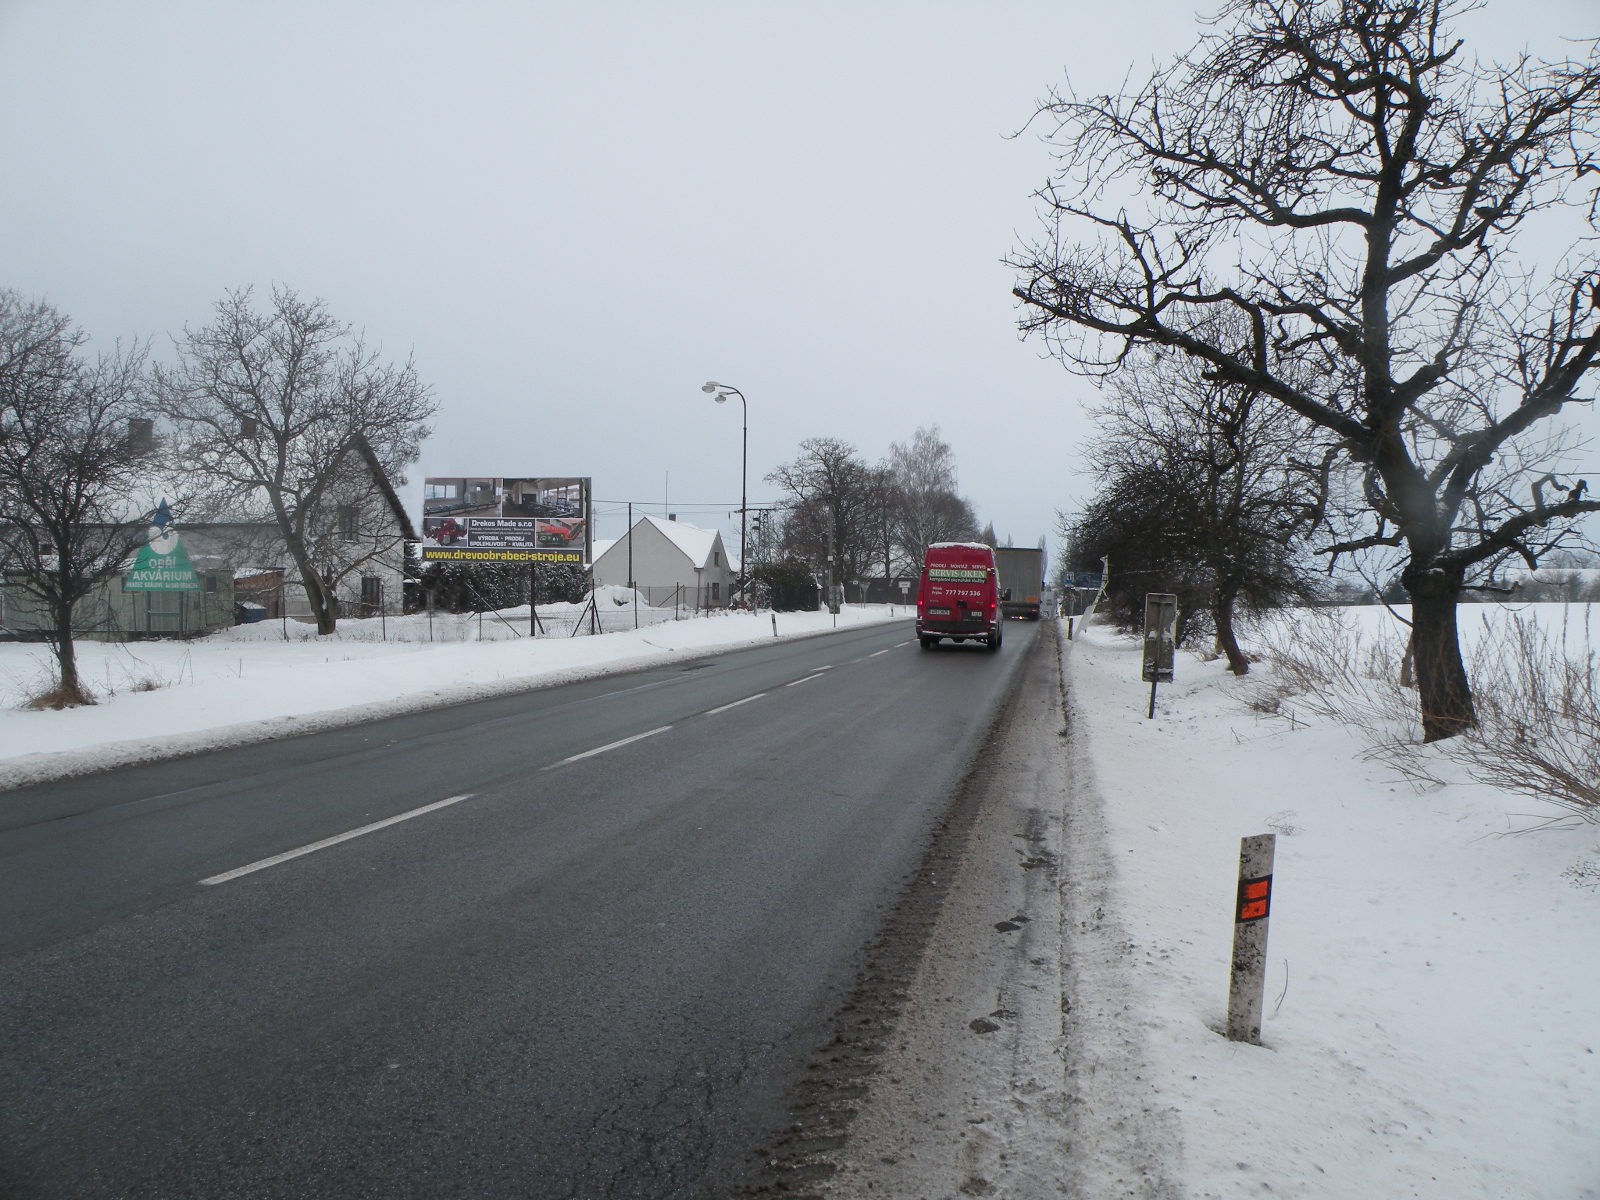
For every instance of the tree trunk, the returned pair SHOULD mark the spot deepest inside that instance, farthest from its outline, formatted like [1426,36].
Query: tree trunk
[1443,690]
[70,686]
[1227,641]
[318,594]
[322,605]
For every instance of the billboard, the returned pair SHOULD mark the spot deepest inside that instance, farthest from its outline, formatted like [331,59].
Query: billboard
[493,519]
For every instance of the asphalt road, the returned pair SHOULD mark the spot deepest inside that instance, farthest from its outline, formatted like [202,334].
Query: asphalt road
[609,924]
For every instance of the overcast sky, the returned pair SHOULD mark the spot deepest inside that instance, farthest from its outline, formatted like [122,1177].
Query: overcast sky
[575,214]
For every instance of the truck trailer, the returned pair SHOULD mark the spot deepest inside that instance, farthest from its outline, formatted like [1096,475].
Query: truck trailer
[1021,576]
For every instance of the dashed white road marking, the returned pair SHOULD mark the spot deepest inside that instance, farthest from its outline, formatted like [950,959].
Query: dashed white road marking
[711,712]
[638,737]
[263,864]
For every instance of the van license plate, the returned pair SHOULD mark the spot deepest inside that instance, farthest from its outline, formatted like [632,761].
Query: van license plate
[938,612]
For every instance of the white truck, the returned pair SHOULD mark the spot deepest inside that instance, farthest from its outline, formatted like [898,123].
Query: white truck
[1021,573]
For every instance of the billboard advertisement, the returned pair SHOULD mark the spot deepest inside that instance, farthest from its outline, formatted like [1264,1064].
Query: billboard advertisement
[494,519]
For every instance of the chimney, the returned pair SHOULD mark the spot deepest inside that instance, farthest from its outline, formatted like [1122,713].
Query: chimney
[141,434]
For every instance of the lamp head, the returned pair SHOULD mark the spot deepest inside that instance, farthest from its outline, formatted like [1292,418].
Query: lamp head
[711,388]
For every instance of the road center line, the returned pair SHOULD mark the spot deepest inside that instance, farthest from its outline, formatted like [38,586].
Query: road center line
[890,650]
[807,679]
[264,863]
[711,712]
[611,746]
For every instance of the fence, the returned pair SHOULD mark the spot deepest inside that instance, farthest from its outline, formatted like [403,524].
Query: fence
[683,600]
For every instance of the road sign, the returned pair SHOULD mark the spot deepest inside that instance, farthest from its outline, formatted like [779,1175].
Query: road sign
[1160,636]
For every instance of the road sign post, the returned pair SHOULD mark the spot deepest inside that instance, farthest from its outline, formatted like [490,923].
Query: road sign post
[1252,906]
[1160,641]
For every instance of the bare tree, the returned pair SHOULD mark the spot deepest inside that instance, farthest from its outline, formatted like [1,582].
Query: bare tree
[296,421]
[69,469]
[1208,492]
[1343,178]
[834,511]
[927,507]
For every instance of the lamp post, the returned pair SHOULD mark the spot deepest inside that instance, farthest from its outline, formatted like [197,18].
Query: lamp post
[720,393]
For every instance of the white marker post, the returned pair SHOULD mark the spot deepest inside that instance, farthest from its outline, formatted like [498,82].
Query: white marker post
[1251,909]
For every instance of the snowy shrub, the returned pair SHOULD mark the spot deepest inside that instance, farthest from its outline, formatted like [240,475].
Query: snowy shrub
[1537,690]
[1535,684]
[54,696]
[1324,664]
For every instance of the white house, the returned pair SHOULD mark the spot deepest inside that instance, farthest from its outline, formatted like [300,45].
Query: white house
[673,564]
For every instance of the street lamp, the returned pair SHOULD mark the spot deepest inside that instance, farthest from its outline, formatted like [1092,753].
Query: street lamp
[720,393]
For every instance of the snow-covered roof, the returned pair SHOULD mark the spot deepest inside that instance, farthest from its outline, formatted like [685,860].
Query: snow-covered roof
[696,543]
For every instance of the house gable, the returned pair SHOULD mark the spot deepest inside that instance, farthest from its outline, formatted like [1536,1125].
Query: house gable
[667,556]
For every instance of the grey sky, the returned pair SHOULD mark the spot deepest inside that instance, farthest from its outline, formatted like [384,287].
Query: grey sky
[575,214]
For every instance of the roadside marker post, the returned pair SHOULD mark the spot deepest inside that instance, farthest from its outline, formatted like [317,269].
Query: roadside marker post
[1252,907]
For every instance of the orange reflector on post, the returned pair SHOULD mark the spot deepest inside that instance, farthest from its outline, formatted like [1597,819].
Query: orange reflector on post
[1255,899]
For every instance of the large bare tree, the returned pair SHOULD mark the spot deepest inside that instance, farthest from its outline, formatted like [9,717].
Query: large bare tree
[1347,180]
[71,510]
[926,505]
[293,419]
[835,508]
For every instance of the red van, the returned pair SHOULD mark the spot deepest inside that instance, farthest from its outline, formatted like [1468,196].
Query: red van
[959,597]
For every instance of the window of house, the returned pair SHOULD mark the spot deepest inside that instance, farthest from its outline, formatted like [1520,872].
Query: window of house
[716,592]
[716,558]
[349,522]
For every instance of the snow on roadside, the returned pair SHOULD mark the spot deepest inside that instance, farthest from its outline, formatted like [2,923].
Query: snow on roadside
[158,699]
[1431,1027]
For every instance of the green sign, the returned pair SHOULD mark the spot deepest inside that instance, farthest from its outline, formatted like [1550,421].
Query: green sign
[162,565]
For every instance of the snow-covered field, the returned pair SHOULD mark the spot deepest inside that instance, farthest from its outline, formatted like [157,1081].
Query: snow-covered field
[1433,995]
[1433,999]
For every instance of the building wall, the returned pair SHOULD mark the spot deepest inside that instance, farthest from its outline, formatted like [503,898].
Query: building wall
[660,567]
[111,614]
[367,560]
[358,534]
